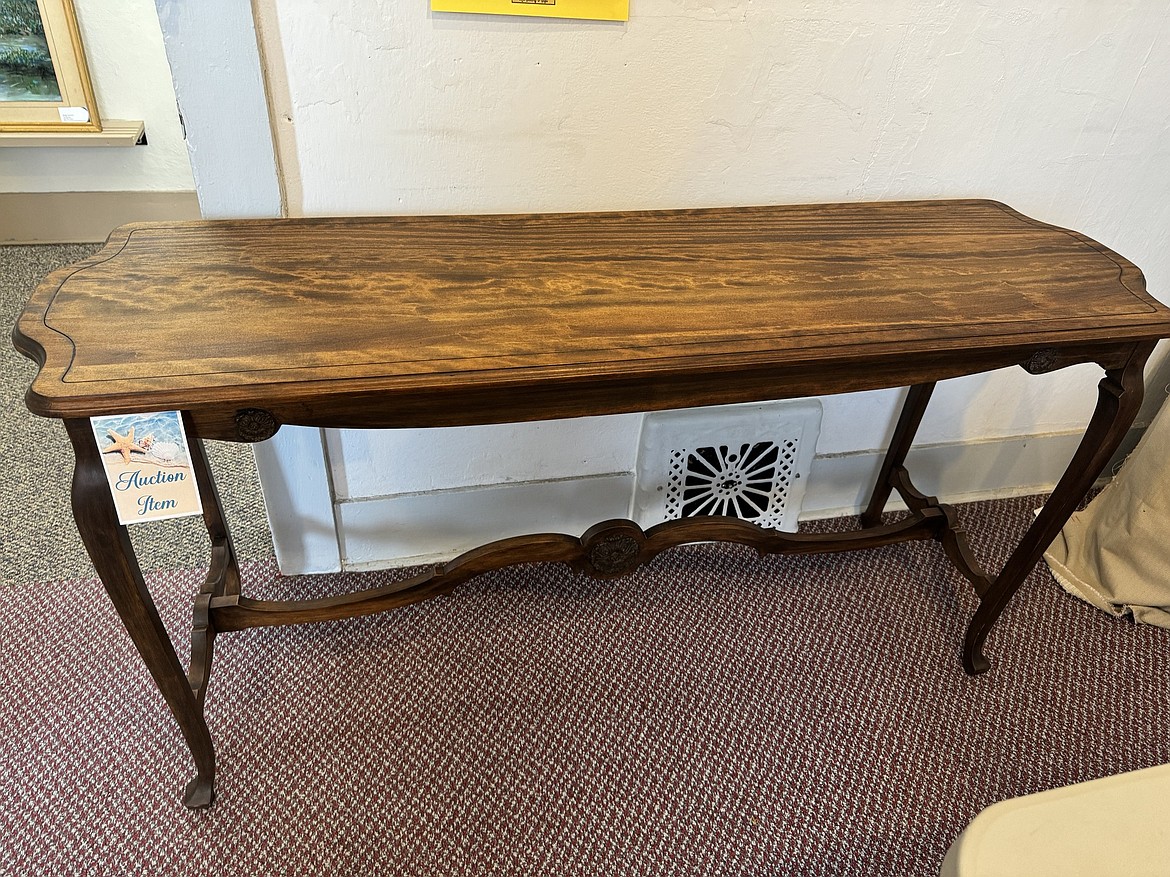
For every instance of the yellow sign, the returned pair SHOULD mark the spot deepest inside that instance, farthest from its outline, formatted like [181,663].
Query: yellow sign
[606,10]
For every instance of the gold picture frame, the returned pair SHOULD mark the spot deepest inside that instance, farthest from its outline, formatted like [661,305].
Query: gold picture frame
[40,94]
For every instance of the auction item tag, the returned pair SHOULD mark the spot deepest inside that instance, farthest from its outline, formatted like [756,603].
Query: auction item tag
[148,465]
[73,114]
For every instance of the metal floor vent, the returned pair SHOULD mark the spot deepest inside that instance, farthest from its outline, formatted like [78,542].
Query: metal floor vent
[743,461]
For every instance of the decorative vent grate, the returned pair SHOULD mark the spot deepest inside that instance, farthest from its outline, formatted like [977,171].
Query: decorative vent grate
[742,461]
[741,481]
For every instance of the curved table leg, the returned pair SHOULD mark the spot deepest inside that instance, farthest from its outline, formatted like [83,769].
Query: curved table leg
[1119,397]
[912,410]
[223,574]
[109,547]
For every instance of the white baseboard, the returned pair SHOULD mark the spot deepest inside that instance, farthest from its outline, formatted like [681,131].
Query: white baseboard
[437,526]
[954,472]
[434,527]
[85,217]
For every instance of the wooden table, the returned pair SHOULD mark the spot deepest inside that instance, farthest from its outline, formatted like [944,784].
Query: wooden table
[443,321]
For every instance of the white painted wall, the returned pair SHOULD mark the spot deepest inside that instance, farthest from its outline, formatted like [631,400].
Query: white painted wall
[124,48]
[1059,111]
[214,58]
[212,51]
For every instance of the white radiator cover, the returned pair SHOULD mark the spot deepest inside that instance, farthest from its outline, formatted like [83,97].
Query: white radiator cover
[743,461]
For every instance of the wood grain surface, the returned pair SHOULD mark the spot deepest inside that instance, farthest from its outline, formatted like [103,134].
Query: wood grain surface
[461,319]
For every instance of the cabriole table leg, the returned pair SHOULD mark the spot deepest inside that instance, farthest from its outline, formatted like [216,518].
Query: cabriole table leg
[112,554]
[1119,397]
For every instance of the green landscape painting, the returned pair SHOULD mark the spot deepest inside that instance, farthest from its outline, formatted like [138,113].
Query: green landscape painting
[26,70]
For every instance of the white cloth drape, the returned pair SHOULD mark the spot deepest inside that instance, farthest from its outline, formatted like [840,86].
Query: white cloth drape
[1116,553]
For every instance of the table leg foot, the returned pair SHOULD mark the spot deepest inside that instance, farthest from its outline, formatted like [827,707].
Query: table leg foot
[200,793]
[974,661]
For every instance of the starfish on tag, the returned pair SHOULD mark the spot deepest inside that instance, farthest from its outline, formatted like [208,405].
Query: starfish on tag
[123,444]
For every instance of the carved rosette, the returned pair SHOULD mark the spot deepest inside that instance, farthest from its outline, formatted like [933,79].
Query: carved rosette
[614,556]
[1042,361]
[255,425]
[612,549]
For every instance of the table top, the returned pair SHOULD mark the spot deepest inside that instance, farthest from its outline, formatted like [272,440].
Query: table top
[288,311]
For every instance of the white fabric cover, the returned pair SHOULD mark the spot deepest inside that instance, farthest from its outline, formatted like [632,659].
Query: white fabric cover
[1116,553]
[1112,826]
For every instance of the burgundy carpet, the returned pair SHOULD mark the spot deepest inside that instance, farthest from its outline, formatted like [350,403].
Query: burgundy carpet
[712,714]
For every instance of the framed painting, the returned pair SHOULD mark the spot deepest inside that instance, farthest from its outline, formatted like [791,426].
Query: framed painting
[44,83]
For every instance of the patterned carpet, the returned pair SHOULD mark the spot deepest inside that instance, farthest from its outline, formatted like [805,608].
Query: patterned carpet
[711,714]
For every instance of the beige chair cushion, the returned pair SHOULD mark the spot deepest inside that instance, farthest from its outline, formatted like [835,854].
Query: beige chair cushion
[1117,826]
[1116,553]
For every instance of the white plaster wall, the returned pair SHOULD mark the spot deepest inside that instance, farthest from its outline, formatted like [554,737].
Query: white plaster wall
[212,50]
[1059,111]
[124,48]
[379,463]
